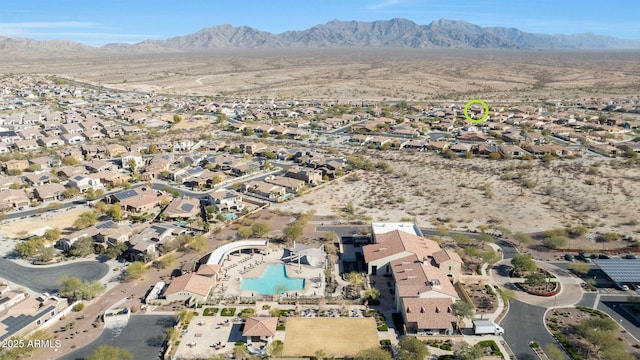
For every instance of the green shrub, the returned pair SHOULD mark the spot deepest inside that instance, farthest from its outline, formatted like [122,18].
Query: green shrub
[210,311]
[383,327]
[489,289]
[445,347]
[228,312]
[494,347]
[246,313]
[78,307]
[565,343]
[592,311]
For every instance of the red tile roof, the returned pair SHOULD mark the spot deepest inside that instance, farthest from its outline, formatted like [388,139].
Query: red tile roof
[414,277]
[396,241]
[430,313]
[260,326]
[192,282]
[446,255]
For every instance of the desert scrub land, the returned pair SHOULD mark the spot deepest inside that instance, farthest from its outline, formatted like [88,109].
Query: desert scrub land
[591,334]
[527,196]
[357,74]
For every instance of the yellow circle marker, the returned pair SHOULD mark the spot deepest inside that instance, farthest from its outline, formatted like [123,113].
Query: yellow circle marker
[486,111]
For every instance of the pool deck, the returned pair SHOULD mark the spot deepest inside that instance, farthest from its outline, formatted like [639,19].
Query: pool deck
[236,267]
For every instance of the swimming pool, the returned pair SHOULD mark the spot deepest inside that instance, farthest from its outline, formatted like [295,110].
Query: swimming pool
[229,217]
[274,280]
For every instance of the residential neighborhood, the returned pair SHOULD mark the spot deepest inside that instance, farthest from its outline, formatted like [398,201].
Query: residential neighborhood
[252,218]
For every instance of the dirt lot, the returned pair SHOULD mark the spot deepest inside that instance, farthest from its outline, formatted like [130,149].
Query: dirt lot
[334,336]
[60,219]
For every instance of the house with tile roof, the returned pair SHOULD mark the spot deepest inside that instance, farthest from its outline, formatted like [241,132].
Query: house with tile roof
[182,207]
[225,200]
[423,274]
[260,328]
[189,287]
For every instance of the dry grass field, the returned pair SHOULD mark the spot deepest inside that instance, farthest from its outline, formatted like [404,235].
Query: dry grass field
[334,336]
[355,74]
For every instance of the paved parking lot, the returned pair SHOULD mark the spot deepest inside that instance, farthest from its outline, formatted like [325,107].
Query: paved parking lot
[143,336]
[205,332]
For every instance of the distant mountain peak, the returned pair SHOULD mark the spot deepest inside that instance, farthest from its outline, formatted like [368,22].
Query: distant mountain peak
[392,33]
[396,32]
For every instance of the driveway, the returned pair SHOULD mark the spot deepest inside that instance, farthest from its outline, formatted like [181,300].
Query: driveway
[523,324]
[45,279]
[142,336]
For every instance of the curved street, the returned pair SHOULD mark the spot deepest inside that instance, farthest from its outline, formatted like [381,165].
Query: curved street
[525,320]
[45,279]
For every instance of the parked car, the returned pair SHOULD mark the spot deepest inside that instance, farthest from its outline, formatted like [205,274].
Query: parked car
[569,257]
[622,287]
[604,256]
[630,256]
[584,257]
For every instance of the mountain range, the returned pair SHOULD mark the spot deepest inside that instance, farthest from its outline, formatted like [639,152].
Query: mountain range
[394,33]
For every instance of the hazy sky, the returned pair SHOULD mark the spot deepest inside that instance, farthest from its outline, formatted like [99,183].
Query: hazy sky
[100,22]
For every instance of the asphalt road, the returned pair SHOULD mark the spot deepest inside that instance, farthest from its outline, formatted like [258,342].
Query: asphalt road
[523,324]
[142,336]
[588,299]
[45,279]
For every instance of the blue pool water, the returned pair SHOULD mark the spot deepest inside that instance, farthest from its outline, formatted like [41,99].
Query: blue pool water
[229,217]
[273,279]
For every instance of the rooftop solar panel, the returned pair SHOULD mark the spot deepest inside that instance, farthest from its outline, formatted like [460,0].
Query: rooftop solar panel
[186,207]
[109,224]
[125,194]
[16,323]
